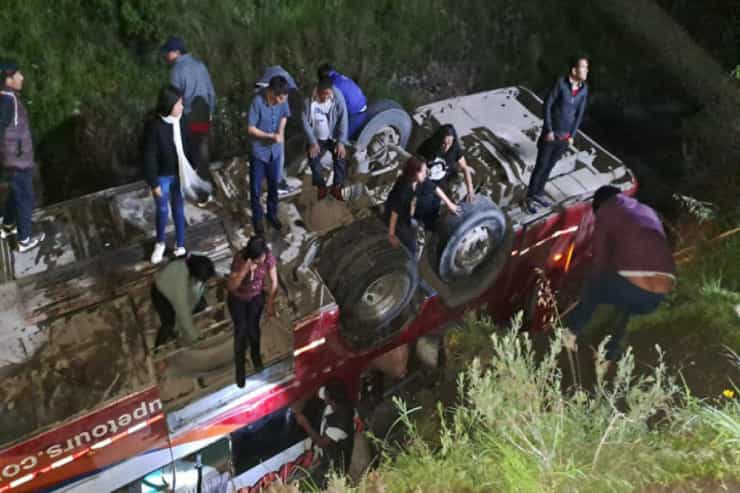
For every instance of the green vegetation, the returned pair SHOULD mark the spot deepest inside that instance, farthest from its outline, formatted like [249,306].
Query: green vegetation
[516,429]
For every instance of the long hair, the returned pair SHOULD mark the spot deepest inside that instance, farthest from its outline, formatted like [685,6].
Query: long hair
[434,143]
[168,96]
[256,246]
[412,168]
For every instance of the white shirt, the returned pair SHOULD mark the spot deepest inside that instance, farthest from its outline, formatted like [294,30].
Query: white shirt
[320,118]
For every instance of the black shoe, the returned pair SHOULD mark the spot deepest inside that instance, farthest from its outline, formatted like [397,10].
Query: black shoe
[529,205]
[275,223]
[259,229]
[283,185]
[541,200]
[240,380]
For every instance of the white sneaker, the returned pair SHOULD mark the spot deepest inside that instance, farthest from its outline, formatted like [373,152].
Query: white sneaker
[6,232]
[158,253]
[30,243]
[180,251]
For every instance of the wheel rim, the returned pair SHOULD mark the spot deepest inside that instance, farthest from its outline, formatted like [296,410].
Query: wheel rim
[472,250]
[382,296]
[379,150]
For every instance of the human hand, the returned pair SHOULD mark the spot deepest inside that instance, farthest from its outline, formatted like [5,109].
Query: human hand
[454,208]
[277,137]
[550,136]
[269,310]
[313,150]
[157,192]
[570,141]
[393,240]
[341,151]
[470,198]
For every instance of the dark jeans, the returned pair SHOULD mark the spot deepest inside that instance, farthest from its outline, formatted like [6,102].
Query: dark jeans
[340,165]
[612,289]
[258,170]
[548,153]
[246,317]
[405,232]
[19,203]
[166,313]
[427,210]
[355,124]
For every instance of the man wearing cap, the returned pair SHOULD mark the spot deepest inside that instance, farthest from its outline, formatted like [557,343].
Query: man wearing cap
[16,155]
[191,77]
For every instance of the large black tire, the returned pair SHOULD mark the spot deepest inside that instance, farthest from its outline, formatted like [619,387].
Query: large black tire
[468,251]
[372,282]
[387,122]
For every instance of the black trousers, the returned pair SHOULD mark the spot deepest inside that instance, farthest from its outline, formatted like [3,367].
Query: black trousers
[246,317]
[548,153]
[166,313]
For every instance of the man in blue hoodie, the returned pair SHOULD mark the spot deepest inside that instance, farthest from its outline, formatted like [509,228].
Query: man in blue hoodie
[353,97]
[563,112]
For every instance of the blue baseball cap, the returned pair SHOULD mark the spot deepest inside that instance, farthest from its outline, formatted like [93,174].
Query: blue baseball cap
[173,43]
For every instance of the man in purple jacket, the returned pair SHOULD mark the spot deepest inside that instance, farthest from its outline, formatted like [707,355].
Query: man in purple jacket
[633,267]
[16,156]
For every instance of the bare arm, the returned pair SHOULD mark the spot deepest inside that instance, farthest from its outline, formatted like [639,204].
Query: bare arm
[256,132]
[273,291]
[453,207]
[468,177]
[319,440]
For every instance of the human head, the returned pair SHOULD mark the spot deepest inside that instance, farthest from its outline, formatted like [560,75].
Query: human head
[256,250]
[169,102]
[325,70]
[12,78]
[578,68]
[324,89]
[335,393]
[278,87]
[200,267]
[446,135]
[603,194]
[173,48]
[415,169]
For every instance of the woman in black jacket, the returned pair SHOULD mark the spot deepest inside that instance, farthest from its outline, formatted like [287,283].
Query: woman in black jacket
[168,171]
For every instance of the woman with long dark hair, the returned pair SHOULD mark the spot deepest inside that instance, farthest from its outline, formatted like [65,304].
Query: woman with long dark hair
[168,171]
[401,204]
[445,159]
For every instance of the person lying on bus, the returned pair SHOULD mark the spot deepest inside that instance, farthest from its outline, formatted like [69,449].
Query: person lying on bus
[336,437]
[402,204]
[246,300]
[353,97]
[177,293]
[445,159]
[633,266]
[325,125]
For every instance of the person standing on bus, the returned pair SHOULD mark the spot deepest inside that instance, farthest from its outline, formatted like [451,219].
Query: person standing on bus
[445,160]
[246,301]
[177,293]
[633,266]
[564,107]
[325,127]
[402,201]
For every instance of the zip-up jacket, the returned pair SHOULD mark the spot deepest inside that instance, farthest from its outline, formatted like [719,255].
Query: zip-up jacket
[16,144]
[338,118]
[564,111]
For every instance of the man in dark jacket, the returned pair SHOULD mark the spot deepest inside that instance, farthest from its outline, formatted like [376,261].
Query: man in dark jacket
[633,267]
[563,112]
[325,126]
[16,155]
[191,77]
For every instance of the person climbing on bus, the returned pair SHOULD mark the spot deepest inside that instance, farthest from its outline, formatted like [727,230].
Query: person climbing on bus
[177,293]
[633,266]
[168,171]
[246,300]
[353,97]
[563,111]
[336,437]
[401,206]
[325,125]
[445,159]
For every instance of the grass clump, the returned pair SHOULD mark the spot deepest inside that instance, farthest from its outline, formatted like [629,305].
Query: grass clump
[515,428]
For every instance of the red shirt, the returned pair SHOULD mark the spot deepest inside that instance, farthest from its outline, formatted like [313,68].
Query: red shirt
[251,287]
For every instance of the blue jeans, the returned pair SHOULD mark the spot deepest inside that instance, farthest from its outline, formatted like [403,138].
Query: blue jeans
[19,203]
[356,121]
[612,289]
[340,165]
[171,197]
[258,170]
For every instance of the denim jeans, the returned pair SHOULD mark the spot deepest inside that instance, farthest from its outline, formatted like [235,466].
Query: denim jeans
[19,203]
[171,196]
[356,121]
[258,170]
[612,289]
[548,154]
[340,165]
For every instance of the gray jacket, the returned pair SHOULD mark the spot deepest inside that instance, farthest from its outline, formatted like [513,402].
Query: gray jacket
[16,144]
[191,76]
[338,118]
